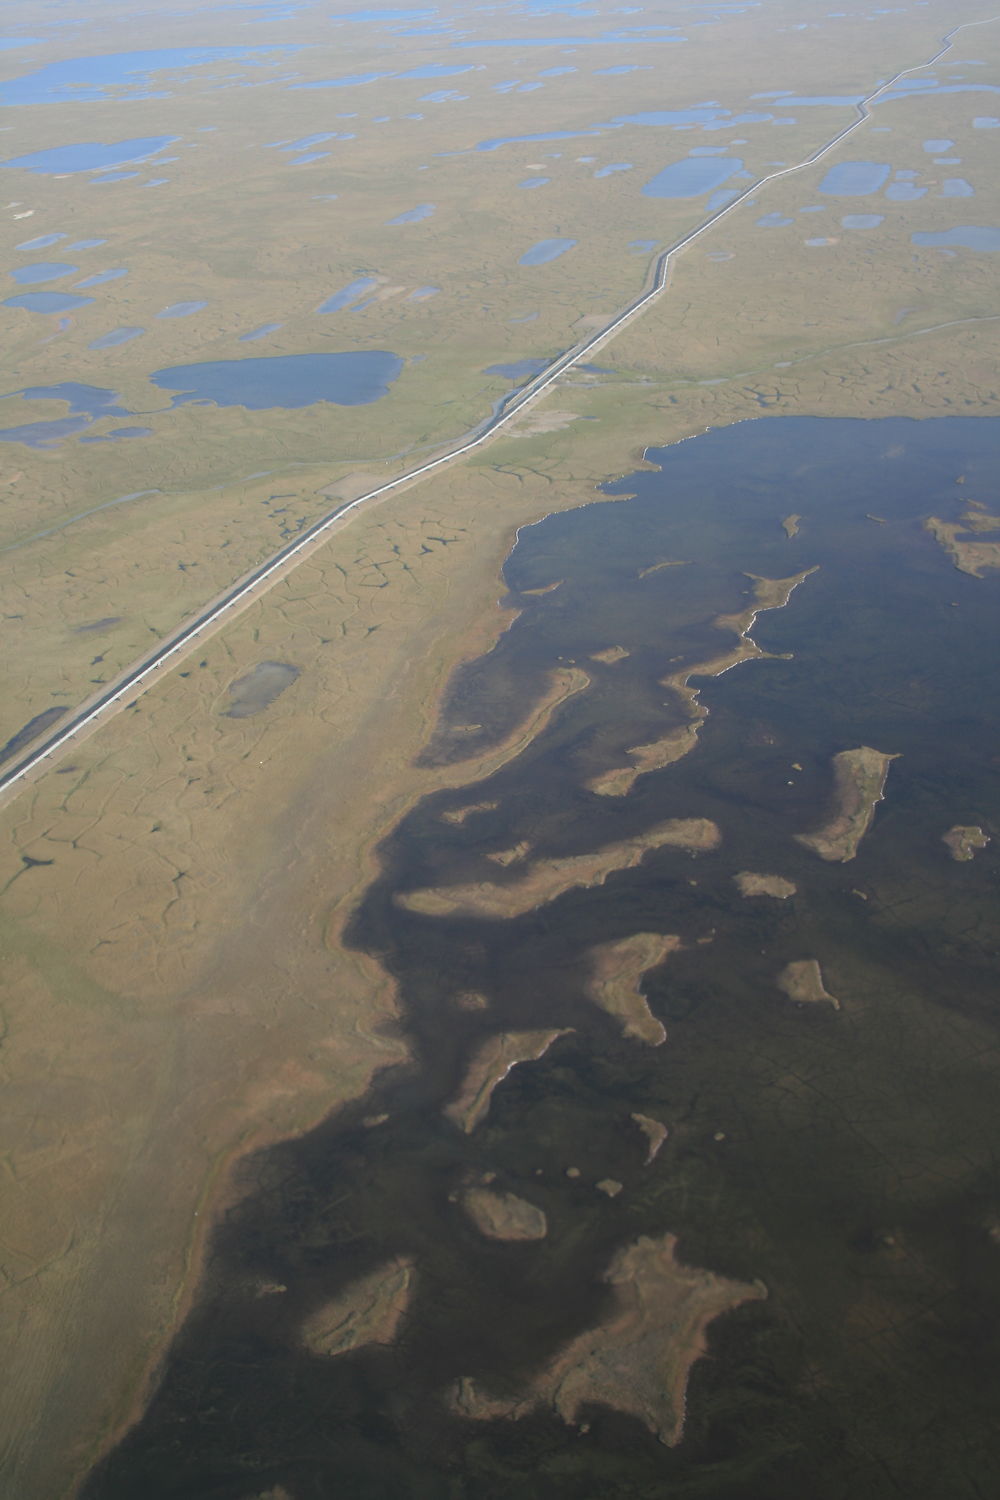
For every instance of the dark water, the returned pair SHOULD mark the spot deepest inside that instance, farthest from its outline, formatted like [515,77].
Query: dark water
[846,1158]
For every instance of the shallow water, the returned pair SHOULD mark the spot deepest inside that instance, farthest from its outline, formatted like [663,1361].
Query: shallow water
[843,1157]
[42,271]
[259,688]
[47,302]
[544,251]
[127,73]
[100,278]
[284,380]
[115,337]
[88,156]
[692,176]
[181,309]
[967,236]
[412,215]
[854,179]
[84,405]
[518,369]
[347,294]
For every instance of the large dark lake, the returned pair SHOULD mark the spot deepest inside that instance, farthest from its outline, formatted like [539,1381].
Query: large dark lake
[845,1158]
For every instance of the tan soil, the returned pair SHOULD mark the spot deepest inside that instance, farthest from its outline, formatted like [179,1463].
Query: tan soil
[637,1360]
[489,1067]
[654,1131]
[368,1311]
[858,785]
[750,884]
[504,1216]
[768,593]
[964,841]
[551,878]
[617,969]
[802,981]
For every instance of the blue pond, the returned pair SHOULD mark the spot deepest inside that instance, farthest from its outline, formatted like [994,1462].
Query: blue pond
[43,270]
[957,187]
[692,176]
[904,192]
[259,333]
[434,70]
[86,404]
[854,179]
[533,182]
[721,198]
[422,293]
[284,380]
[615,166]
[967,236]
[519,369]
[47,302]
[861,221]
[347,294]
[90,156]
[935,148]
[181,309]
[773,221]
[413,215]
[83,244]
[116,336]
[42,242]
[86,78]
[311,156]
[544,251]
[100,278]
[542,135]
[114,177]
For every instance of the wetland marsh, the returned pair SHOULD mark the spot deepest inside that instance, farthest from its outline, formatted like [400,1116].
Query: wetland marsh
[824,1236]
[440,1006]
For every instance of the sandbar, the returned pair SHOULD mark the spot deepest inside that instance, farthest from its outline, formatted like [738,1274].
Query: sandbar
[504,1216]
[459,814]
[490,1064]
[802,981]
[964,841]
[969,556]
[768,593]
[617,969]
[777,886]
[639,1358]
[655,1132]
[858,786]
[551,878]
[368,1311]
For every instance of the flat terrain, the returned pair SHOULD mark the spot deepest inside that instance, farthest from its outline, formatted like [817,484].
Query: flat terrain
[175,893]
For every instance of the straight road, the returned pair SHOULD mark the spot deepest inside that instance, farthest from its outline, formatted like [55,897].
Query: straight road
[193,632]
